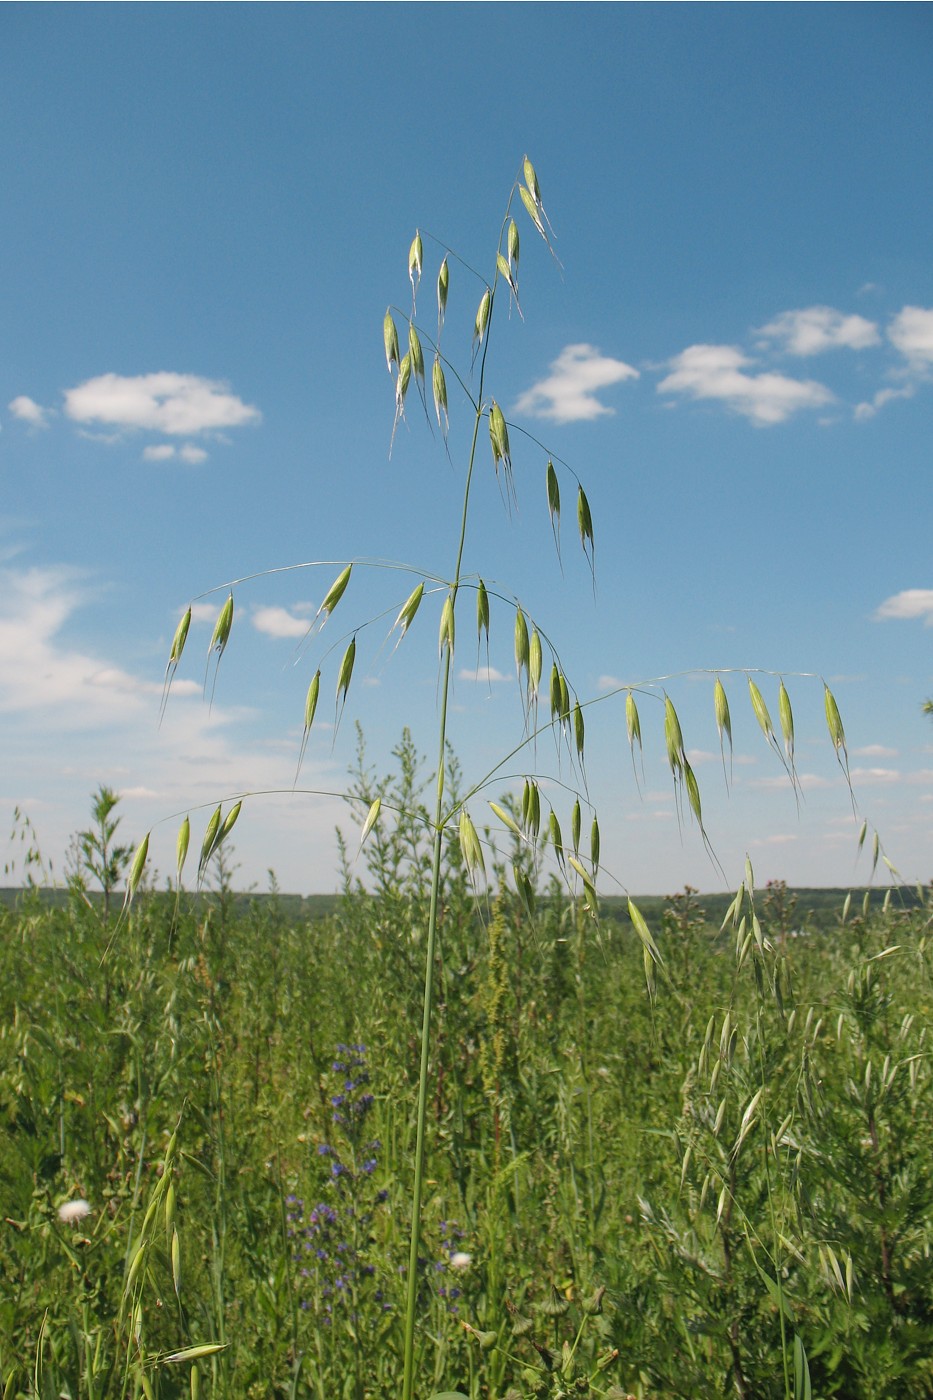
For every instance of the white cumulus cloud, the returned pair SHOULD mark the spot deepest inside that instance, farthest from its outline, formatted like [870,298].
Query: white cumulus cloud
[720,372]
[486,674]
[814,329]
[870,407]
[28,411]
[175,404]
[910,603]
[568,393]
[158,452]
[279,622]
[911,332]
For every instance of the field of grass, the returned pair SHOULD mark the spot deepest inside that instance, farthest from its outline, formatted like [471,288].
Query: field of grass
[738,1153]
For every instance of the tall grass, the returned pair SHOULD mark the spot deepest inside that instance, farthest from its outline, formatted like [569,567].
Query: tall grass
[492,1115]
[579,1136]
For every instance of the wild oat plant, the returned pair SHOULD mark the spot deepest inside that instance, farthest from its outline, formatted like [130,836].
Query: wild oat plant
[524,1152]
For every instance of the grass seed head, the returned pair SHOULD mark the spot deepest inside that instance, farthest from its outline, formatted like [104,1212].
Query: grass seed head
[443,283]
[521,642]
[482,318]
[390,336]
[407,613]
[314,690]
[416,353]
[181,846]
[446,632]
[531,180]
[415,261]
[482,610]
[180,637]
[576,822]
[439,386]
[336,591]
[136,870]
[345,674]
[512,243]
[535,663]
[532,211]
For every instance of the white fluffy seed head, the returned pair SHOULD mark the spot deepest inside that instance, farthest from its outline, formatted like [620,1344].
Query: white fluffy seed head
[72,1211]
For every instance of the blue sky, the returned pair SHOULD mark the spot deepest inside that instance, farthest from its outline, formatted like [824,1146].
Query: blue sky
[207,210]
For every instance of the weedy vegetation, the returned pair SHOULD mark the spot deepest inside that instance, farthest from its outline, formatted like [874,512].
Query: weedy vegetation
[464,1137]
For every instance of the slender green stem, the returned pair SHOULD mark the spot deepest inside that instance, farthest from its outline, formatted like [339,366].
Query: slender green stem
[431,946]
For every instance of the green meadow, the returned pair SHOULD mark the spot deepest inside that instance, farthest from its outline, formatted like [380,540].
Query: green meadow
[713,1182]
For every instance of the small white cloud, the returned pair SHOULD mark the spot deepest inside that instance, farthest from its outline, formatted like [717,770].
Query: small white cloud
[818,328]
[486,674]
[719,372]
[158,452]
[176,404]
[279,622]
[868,409]
[911,332]
[910,603]
[874,777]
[568,394]
[193,455]
[28,411]
[205,612]
[874,751]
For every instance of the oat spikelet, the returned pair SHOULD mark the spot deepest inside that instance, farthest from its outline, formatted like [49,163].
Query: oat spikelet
[174,657]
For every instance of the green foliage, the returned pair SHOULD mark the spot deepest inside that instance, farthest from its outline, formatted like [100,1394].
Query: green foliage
[579,1137]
